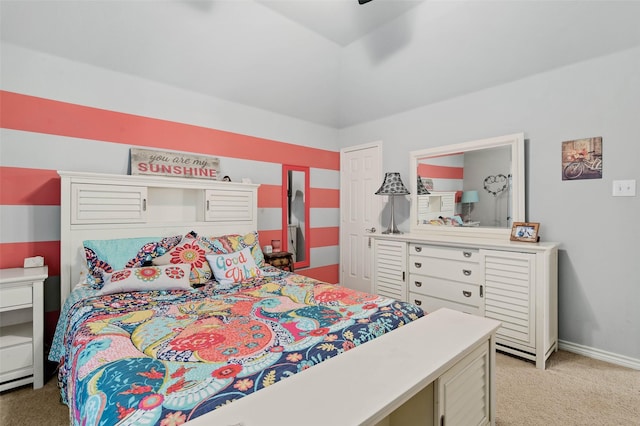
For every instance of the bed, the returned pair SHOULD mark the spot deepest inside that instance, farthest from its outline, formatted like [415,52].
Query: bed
[224,349]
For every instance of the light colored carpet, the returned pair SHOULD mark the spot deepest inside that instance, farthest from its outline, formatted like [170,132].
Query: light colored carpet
[573,390]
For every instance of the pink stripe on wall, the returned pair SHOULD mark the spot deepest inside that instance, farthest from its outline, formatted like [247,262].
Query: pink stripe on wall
[324,237]
[33,114]
[440,172]
[35,187]
[323,197]
[12,254]
[269,196]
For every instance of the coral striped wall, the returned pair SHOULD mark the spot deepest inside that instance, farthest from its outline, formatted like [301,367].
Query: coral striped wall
[41,136]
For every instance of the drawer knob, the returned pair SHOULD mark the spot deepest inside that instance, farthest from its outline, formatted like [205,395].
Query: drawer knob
[417,302]
[466,253]
[466,293]
[467,272]
[418,249]
[418,265]
[418,283]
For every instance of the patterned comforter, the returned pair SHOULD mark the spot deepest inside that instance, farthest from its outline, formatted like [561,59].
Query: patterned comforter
[165,357]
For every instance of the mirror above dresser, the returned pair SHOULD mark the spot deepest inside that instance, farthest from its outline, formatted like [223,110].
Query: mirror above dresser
[473,189]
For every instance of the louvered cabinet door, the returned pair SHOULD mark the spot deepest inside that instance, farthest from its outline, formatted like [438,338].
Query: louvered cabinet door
[108,204]
[232,205]
[390,266]
[463,392]
[510,297]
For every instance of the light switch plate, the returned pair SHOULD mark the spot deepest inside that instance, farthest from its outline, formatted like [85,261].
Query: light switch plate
[624,188]
[33,262]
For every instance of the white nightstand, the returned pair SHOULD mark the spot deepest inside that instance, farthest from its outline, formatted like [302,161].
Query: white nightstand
[21,327]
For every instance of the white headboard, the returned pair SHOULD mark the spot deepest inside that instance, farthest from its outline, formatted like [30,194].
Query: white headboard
[105,206]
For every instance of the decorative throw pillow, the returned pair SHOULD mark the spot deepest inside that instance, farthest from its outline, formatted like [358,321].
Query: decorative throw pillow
[234,267]
[150,251]
[235,242]
[106,256]
[147,278]
[191,250]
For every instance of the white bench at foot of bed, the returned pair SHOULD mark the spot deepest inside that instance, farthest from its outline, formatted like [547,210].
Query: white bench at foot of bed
[437,370]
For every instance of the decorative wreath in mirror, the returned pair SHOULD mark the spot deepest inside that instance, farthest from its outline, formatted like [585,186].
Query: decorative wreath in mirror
[495,184]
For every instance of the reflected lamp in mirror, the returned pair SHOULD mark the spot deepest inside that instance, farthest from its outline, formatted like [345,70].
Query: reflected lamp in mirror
[421,189]
[468,198]
[392,186]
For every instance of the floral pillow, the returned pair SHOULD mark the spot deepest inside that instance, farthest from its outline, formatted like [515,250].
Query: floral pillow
[234,267]
[107,256]
[147,278]
[234,242]
[191,250]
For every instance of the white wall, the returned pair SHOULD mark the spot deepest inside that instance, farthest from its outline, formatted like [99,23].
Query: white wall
[599,283]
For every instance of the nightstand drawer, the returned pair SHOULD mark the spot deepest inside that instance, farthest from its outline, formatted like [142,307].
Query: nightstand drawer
[442,268]
[278,263]
[431,304]
[466,294]
[16,357]
[15,296]
[281,259]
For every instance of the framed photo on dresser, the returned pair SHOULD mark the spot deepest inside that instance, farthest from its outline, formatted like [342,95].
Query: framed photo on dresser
[525,231]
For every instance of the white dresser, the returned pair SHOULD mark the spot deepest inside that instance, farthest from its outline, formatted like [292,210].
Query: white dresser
[21,327]
[513,282]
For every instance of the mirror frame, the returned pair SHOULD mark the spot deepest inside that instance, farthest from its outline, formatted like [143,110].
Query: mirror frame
[516,142]
[286,168]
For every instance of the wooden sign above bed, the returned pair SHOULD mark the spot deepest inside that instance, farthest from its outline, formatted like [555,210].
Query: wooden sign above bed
[175,164]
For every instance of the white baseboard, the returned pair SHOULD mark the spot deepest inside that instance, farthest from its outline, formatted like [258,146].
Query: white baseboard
[617,359]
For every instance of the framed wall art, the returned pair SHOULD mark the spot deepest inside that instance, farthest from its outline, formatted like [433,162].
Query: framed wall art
[173,163]
[582,159]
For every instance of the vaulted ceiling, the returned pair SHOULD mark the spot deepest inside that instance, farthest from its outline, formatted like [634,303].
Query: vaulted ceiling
[331,62]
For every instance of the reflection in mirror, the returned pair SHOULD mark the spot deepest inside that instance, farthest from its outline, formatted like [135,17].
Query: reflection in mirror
[295,213]
[473,181]
[478,184]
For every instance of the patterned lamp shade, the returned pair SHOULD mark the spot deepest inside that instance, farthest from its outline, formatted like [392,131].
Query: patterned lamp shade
[392,185]
[422,190]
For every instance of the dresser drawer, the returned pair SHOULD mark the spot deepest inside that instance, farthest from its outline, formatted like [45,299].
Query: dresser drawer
[15,296]
[450,253]
[431,304]
[454,270]
[16,357]
[466,294]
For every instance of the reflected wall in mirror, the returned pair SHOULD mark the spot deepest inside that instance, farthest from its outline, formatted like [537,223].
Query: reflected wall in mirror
[295,213]
[475,187]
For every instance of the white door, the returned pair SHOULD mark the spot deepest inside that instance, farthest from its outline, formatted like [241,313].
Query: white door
[360,177]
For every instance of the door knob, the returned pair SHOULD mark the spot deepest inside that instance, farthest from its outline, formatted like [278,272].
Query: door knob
[372,230]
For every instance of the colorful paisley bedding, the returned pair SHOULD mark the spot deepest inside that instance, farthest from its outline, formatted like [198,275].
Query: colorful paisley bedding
[165,357]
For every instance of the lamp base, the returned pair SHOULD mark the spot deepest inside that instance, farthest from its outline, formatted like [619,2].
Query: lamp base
[392,228]
[392,231]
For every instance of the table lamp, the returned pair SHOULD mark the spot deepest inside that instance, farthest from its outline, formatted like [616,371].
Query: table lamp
[421,189]
[392,186]
[469,197]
